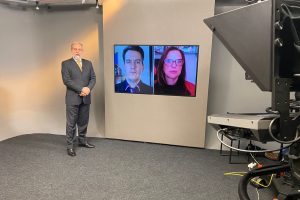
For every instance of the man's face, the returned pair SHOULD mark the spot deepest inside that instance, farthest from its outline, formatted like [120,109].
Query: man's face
[76,50]
[133,66]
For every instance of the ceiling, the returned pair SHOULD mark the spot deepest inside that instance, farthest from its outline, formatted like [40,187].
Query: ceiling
[50,2]
[227,5]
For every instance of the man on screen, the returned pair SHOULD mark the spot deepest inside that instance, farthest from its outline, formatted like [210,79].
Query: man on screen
[133,57]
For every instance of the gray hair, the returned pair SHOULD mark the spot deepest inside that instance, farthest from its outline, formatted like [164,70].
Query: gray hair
[73,43]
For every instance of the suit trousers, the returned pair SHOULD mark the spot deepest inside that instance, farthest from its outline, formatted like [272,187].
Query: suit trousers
[77,115]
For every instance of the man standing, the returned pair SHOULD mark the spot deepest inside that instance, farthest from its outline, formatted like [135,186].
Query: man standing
[79,78]
[133,57]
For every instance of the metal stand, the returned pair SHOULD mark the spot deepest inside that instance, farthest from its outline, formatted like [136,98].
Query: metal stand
[231,152]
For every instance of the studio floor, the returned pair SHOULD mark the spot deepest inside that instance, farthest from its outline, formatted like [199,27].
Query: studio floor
[37,167]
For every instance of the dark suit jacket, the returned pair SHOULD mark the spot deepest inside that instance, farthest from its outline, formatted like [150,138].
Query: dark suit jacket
[142,88]
[75,80]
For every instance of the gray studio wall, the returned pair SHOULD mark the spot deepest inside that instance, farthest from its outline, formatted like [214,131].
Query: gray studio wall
[32,94]
[33,44]
[229,91]
[157,118]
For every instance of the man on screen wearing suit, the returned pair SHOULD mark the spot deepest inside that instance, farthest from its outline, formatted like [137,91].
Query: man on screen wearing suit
[133,57]
[79,78]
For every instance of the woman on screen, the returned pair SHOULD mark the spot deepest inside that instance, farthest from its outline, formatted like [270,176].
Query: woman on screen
[171,71]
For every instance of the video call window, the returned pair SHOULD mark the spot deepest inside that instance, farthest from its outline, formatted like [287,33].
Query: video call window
[156,69]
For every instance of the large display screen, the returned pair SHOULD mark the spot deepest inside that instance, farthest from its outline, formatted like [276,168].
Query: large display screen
[156,69]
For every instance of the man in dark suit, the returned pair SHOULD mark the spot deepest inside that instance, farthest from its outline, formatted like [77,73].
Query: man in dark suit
[79,78]
[133,57]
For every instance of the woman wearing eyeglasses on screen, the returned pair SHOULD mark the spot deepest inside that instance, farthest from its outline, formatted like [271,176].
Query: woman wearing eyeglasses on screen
[170,75]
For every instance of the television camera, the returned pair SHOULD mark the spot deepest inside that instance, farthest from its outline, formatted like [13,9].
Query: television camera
[264,37]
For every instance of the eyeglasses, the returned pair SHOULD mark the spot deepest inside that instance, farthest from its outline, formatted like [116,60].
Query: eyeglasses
[137,61]
[178,62]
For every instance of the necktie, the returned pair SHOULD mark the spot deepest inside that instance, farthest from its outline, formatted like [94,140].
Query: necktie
[133,90]
[79,64]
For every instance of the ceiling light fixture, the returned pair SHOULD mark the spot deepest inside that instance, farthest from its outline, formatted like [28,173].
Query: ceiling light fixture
[37,5]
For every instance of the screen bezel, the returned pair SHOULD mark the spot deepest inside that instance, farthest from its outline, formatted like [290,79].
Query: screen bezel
[151,62]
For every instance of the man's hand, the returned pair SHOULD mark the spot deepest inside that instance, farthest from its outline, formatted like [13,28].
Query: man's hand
[82,94]
[85,91]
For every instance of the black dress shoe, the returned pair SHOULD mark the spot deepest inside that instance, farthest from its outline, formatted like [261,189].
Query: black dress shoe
[71,152]
[86,145]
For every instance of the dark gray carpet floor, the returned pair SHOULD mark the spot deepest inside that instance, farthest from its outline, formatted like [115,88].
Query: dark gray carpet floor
[36,167]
